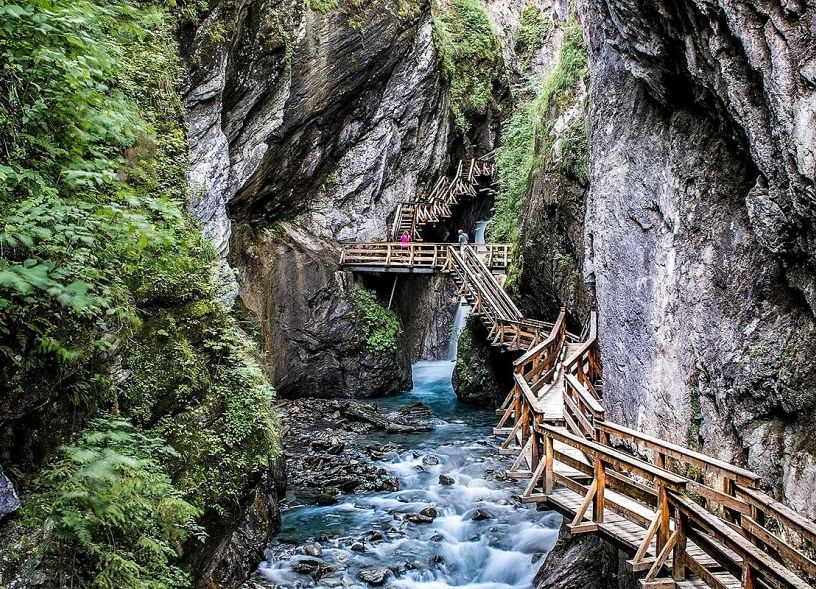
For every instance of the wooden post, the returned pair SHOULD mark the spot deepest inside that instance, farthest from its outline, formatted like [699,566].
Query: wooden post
[747,576]
[729,489]
[393,288]
[598,502]
[663,512]
[535,450]
[660,460]
[679,557]
[548,467]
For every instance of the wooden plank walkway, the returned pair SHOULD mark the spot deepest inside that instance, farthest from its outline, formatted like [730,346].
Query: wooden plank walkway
[715,530]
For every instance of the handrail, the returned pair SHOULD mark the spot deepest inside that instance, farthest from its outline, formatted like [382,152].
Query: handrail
[587,399]
[616,457]
[742,476]
[527,356]
[445,193]
[801,525]
[756,563]
[493,284]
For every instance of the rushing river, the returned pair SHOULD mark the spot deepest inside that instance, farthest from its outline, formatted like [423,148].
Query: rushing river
[459,548]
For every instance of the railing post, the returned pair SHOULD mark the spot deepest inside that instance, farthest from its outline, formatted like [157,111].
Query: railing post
[679,557]
[660,460]
[549,457]
[663,513]
[598,501]
[729,489]
[747,576]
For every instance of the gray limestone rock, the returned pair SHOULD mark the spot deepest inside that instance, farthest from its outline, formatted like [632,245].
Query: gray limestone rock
[699,228]
[9,502]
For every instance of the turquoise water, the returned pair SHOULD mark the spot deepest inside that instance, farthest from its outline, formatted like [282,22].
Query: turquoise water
[453,551]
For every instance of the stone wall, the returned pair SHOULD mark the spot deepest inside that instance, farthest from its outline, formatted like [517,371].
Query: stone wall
[699,232]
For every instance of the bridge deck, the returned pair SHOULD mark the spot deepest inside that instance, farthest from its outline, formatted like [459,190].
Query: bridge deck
[687,520]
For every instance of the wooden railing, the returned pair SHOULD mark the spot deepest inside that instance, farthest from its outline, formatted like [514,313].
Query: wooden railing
[384,256]
[412,215]
[585,362]
[667,505]
[697,515]
[532,371]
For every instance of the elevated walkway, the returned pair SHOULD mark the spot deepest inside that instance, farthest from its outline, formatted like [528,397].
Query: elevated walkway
[685,519]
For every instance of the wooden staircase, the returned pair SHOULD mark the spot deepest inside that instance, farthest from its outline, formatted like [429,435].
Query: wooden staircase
[411,216]
[685,519]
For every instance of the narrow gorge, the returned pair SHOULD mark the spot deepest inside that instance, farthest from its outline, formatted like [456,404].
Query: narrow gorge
[496,294]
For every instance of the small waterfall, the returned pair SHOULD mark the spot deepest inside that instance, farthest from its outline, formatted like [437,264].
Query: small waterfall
[462,308]
[462,312]
[479,236]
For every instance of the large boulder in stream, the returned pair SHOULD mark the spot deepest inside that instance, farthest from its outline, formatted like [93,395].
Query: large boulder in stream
[482,374]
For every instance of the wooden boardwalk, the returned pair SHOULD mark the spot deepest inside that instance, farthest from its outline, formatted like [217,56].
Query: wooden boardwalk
[685,519]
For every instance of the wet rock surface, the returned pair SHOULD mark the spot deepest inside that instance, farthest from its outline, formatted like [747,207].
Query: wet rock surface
[409,526]
[9,502]
[584,561]
[699,228]
[312,341]
[327,450]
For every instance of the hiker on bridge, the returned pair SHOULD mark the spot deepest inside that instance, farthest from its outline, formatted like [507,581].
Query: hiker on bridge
[405,239]
[463,238]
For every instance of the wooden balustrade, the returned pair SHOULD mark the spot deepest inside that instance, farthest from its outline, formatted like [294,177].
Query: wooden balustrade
[585,363]
[445,194]
[680,529]
[416,256]
[491,297]
[680,513]
[730,549]
[607,467]
[582,410]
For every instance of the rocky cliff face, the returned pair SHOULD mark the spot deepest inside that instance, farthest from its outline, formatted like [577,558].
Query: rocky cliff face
[324,120]
[699,230]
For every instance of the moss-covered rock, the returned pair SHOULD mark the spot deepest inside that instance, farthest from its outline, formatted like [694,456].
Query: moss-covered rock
[479,377]
[470,58]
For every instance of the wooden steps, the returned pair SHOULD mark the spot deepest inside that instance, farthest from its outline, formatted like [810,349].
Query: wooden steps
[726,581]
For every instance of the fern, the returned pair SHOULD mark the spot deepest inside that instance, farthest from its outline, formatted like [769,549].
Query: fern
[110,511]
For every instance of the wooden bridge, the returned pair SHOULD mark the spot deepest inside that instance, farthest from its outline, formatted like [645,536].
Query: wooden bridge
[412,215]
[685,519]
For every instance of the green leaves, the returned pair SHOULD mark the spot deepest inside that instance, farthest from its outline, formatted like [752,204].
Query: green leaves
[85,232]
[379,326]
[527,140]
[110,484]
[470,56]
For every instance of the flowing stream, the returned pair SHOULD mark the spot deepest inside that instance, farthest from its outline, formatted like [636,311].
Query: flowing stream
[481,537]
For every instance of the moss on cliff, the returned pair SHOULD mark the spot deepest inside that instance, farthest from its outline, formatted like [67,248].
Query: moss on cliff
[379,326]
[532,32]
[528,137]
[470,57]
[480,373]
[110,303]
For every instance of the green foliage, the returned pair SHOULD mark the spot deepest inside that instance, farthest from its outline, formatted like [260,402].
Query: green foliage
[470,56]
[695,429]
[472,369]
[575,151]
[111,484]
[98,260]
[379,326]
[91,182]
[323,6]
[531,33]
[527,140]
[192,377]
